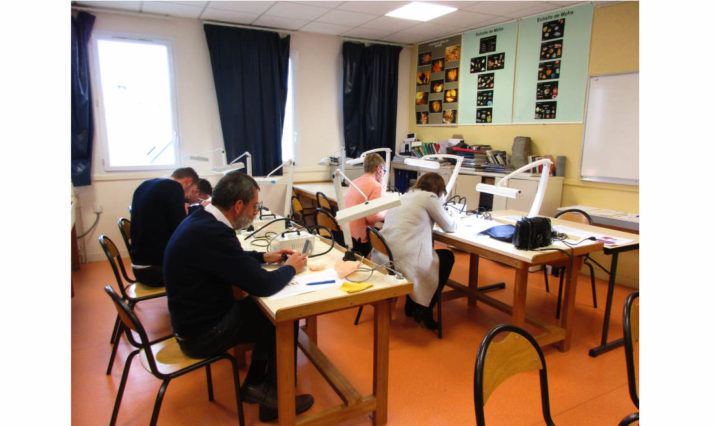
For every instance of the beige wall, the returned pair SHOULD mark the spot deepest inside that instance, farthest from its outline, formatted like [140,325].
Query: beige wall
[317,105]
[614,49]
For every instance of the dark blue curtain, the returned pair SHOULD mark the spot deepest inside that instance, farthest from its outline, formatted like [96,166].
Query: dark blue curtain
[250,70]
[370,96]
[82,120]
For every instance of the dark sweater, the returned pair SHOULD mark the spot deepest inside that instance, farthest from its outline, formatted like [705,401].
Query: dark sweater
[202,262]
[157,210]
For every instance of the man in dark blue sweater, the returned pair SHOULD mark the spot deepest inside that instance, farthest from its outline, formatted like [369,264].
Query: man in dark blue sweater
[157,208]
[202,262]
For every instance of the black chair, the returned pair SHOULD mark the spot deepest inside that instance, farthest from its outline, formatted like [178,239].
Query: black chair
[630,323]
[325,219]
[580,216]
[497,361]
[377,242]
[164,359]
[132,293]
[125,226]
[324,203]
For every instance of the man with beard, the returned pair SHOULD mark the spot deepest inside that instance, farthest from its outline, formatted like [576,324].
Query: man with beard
[202,262]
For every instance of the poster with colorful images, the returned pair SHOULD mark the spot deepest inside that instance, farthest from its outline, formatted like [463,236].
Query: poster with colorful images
[437,82]
[487,74]
[552,66]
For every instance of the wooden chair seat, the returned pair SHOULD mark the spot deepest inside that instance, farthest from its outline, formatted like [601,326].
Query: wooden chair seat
[169,357]
[139,291]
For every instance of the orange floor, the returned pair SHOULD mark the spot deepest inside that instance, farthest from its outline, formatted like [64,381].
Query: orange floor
[430,381]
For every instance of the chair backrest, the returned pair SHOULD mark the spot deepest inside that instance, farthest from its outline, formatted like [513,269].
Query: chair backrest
[575,215]
[499,360]
[630,322]
[115,261]
[124,225]
[324,203]
[324,219]
[378,242]
[132,324]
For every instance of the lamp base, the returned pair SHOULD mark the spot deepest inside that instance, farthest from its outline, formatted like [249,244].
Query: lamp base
[350,255]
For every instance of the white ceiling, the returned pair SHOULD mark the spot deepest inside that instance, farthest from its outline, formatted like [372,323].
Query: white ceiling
[350,19]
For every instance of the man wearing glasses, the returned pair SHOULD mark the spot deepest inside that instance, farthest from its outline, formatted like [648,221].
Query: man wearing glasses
[203,261]
[371,183]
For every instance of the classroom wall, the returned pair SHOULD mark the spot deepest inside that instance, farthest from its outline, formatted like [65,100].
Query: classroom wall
[614,49]
[317,68]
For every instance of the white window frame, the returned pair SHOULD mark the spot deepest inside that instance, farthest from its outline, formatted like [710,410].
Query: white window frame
[293,64]
[98,101]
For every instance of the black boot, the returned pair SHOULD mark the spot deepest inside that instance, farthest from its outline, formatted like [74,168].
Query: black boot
[425,316]
[409,306]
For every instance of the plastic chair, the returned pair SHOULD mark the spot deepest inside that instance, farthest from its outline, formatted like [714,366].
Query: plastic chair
[324,203]
[630,323]
[132,293]
[580,216]
[164,359]
[325,219]
[497,361]
[377,242]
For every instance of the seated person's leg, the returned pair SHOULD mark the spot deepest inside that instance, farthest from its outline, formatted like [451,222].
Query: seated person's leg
[151,276]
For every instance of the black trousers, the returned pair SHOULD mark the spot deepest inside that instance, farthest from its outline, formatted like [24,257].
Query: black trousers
[244,323]
[151,276]
[447,260]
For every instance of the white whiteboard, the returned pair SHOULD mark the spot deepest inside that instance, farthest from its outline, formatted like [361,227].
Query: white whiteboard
[610,148]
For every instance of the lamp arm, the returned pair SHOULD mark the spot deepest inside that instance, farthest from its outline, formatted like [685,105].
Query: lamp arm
[284,164]
[541,189]
[455,171]
[246,154]
[504,180]
[350,182]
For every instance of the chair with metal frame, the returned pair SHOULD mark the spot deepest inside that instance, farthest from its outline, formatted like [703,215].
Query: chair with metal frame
[497,361]
[580,216]
[164,359]
[132,293]
[300,213]
[325,219]
[124,226]
[324,203]
[630,323]
[377,242]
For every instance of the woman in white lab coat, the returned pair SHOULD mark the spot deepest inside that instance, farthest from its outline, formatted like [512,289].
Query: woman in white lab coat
[408,231]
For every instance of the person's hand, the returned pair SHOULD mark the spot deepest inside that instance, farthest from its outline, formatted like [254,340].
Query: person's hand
[278,256]
[298,261]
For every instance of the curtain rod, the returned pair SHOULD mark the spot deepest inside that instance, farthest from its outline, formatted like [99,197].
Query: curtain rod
[121,12]
[366,40]
[249,27]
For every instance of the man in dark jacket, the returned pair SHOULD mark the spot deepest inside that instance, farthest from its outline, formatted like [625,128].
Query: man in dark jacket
[203,261]
[157,209]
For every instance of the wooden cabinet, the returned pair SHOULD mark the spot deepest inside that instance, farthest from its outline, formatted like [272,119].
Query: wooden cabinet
[466,182]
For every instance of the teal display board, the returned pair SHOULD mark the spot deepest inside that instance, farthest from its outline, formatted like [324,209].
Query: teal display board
[487,70]
[437,82]
[552,66]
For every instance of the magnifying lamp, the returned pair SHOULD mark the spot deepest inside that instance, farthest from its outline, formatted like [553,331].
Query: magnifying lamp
[501,189]
[430,162]
[345,216]
[270,195]
[235,165]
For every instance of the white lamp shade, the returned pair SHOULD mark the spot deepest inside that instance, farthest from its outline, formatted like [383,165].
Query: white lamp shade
[368,208]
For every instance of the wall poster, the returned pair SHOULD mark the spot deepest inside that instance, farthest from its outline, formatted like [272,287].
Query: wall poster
[487,74]
[552,66]
[437,82]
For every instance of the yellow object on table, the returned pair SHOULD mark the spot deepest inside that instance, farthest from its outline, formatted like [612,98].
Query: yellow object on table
[354,287]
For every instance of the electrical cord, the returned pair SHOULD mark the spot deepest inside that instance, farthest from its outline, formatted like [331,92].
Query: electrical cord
[96,219]
[370,271]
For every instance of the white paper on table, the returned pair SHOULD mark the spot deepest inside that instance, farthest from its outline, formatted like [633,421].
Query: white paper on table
[299,283]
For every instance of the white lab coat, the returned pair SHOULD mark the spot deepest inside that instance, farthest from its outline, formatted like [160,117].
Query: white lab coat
[408,231]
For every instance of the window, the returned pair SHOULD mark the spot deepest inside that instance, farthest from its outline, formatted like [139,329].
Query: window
[136,112]
[288,138]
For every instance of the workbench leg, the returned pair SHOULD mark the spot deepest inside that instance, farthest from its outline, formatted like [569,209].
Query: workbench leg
[570,293]
[472,278]
[519,297]
[603,345]
[311,328]
[286,369]
[381,334]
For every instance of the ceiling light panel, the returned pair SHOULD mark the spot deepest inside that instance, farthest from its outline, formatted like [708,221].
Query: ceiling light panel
[419,11]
